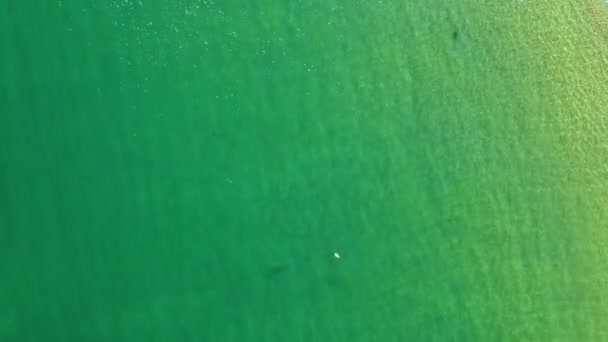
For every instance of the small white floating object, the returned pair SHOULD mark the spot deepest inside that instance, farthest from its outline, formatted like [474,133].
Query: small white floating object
[336,255]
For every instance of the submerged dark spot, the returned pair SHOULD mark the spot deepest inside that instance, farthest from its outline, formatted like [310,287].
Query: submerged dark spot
[274,271]
[455,35]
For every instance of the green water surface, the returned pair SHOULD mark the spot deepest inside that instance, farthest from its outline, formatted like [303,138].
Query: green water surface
[186,170]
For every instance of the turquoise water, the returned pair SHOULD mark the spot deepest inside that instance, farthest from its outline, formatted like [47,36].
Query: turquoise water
[185,171]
